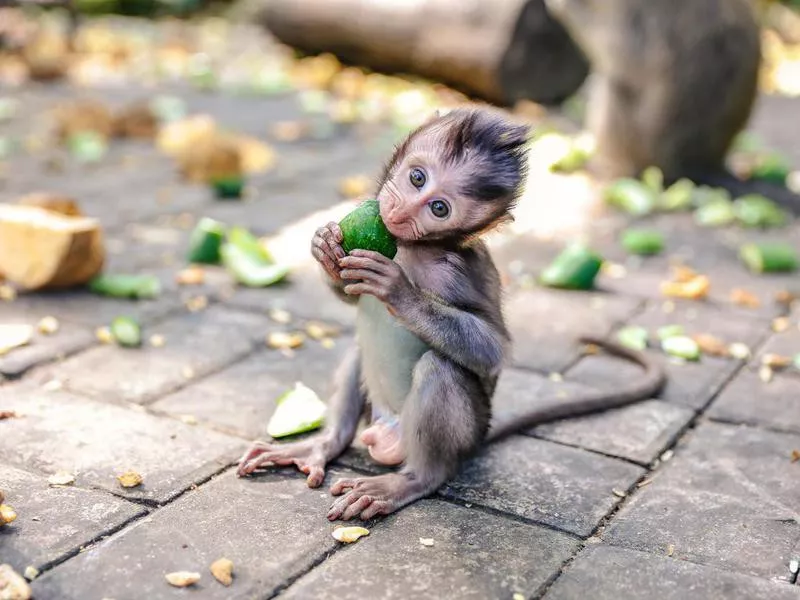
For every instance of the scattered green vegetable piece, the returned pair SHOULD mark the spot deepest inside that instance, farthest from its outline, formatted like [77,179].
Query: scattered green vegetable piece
[769,257]
[772,167]
[205,241]
[314,101]
[704,194]
[642,241]
[201,73]
[678,196]
[87,146]
[755,210]
[747,141]
[633,337]
[270,82]
[630,195]
[168,108]
[249,271]
[575,268]
[668,331]
[299,410]
[715,214]
[681,346]
[228,187]
[653,178]
[126,286]
[576,156]
[249,244]
[126,332]
[363,229]
[796,361]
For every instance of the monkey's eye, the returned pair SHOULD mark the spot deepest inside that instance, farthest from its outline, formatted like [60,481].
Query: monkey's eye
[439,209]
[417,177]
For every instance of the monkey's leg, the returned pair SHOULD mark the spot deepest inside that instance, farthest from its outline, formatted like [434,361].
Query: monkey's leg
[313,454]
[444,419]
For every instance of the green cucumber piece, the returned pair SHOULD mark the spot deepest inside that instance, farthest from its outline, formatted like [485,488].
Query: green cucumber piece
[633,337]
[228,187]
[249,244]
[249,271]
[364,229]
[126,286]
[643,242]
[755,210]
[771,167]
[126,332]
[682,347]
[632,196]
[299,410]
[205,241]
[715,214]
[653,178]
[668,331]
[769,257]
[87,146]
[678,196]
[575,268]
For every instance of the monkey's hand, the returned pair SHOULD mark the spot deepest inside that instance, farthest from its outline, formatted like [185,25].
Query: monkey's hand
[326,247]
[309,456]
[376,275]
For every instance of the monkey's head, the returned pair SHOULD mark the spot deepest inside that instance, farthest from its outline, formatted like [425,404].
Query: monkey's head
[454,177]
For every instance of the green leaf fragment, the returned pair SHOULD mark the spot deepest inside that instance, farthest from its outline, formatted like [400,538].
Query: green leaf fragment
[126,286]
[632,196]
[633,337]
[682,347]
[299,410]
[126,332]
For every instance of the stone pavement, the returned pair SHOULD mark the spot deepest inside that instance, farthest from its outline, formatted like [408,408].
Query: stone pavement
[689,495]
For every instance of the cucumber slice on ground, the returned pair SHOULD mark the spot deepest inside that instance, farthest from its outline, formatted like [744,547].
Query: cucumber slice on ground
[126,286]
[755,210]
[299,410]
[668,331]
[249,244]
[632,196]
[633,337]
[682,347]
[126,332]
[249,271]
[774,257]
[575,269]
[205,241]
[228,187]
[642,242]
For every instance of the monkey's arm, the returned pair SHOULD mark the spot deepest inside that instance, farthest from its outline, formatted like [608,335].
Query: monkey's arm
[460,334]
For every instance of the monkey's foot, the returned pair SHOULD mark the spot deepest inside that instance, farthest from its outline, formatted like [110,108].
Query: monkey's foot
[371,496]
[309,456]
[384,443]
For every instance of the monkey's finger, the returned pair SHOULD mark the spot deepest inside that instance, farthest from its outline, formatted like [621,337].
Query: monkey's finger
[370,254]
[316,475]
[356,289]
[356,507]
[334,228]
[325,260]
[340,485]
[360,262]
[362,275]
[340,506]
[376,507]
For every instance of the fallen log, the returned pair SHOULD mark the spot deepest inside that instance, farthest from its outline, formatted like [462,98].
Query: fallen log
[501,51]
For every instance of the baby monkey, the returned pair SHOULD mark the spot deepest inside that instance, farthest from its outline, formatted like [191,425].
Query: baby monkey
[430,329]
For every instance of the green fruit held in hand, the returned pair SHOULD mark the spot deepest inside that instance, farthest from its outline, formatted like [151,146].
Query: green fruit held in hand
[363,229]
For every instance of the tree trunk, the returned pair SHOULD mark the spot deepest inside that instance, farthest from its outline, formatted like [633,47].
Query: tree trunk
[499,50]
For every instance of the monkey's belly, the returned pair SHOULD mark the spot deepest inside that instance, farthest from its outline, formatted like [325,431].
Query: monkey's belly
[389,353]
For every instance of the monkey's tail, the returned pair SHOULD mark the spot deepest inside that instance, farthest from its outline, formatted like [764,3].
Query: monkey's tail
[738,187]
[643,388]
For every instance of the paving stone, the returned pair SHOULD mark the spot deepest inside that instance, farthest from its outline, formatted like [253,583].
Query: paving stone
[201,342]
[545,324]
[53,522]
[248,389]
[98,441]
[749,400]
[272,527]
[474,555]
[43,348]
[639,432]
[564,487]
[84,308]
[608,573]
[729,498]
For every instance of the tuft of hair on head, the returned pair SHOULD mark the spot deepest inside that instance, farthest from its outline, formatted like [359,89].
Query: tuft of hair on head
[491,146]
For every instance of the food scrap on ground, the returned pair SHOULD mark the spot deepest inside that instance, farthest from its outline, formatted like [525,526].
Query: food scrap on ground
[12,585]
[61,478]
[297,411]
[686,284]
[222,570]
[348,535]
[130,479]
[182,578]
[14,336]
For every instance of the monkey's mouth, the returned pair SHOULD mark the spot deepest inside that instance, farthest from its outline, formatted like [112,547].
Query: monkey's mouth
[404,232]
